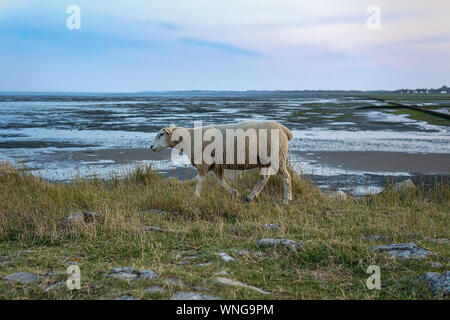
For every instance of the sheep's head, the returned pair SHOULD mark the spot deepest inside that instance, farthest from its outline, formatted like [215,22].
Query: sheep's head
[163,139]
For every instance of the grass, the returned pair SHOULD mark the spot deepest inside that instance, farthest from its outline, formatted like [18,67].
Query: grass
[331,264]
[422,116]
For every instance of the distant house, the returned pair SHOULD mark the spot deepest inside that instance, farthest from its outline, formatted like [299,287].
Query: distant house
[444,92]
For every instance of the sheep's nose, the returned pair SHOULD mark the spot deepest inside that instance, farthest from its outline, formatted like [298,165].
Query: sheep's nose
[151,147]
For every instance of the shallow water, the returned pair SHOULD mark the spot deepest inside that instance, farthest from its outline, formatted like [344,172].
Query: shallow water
[32,127]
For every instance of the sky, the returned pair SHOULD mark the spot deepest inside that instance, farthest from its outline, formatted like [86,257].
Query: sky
[157,45]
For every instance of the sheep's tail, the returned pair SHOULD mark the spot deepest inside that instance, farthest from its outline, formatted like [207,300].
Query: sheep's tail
[288,133]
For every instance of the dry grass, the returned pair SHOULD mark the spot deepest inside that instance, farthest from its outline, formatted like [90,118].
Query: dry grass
[331,265]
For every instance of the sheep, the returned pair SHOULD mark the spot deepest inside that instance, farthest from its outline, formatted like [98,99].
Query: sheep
[245,147]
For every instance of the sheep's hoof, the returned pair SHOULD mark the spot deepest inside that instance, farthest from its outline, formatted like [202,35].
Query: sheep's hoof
[287,201]
[248,199]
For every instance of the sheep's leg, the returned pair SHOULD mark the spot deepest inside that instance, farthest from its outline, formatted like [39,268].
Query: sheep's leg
[287,186]
[258,187]
[219,175]
[200,179]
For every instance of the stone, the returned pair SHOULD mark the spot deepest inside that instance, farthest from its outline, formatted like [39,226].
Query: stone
[130,274]
[204,264]
[23,277]
[126,297]
[290,244]
[248,253]
[231,282]
[222,273]
[154,289]
[201,289]
[436,265]
[147,274]
[339,194]
[162,212]
[182,295]
[154,229]
[404,185]
[271,226]
[439,284]
[403,251]
[77,218]
[374,237]
[54,286]
[173,282]
[440,241]
[225,257]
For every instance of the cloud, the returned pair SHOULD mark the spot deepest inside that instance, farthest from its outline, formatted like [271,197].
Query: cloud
[225,47]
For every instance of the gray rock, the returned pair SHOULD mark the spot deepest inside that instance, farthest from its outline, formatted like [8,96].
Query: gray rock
[231,282]
[126,297]
[124,274]
[436,265]
[181,295]
[440,241]
[130,274]
[161,212]
[154,289]
[403,251]
[404,185]
[271,226]
[339,194]
[439,284]
[173,282]
[201,289]
[225,257]
[54,286]
[248,253]
[23,277]
[147,274]
[374,237]
[204,264]
[77,218]
[290,244]
[154,229]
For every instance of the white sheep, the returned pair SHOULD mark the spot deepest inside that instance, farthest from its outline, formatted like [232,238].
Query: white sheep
[237,146]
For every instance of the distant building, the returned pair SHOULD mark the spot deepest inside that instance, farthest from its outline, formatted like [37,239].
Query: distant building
[444,92]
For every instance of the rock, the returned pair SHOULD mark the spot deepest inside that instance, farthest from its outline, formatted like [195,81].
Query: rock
[75,218]
[436,265]
[181,295]
[201,289]
[126,297]
[91,216]
[222,273]
[54,286]
[231,282]
[339,194]
[225,257]
[131,274]
[154,289]
[271,226]
[154,229]
[6,167]
[404,185]
[290,244]
[374,237]
[162,212]
[147,274]
[404,251]
[438,283]
[78,218]
[248,253]
[440,241]
[173,282]
[204,264]
[24,277]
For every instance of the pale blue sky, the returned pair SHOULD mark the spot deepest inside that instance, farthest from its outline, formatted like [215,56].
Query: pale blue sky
[133,45]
